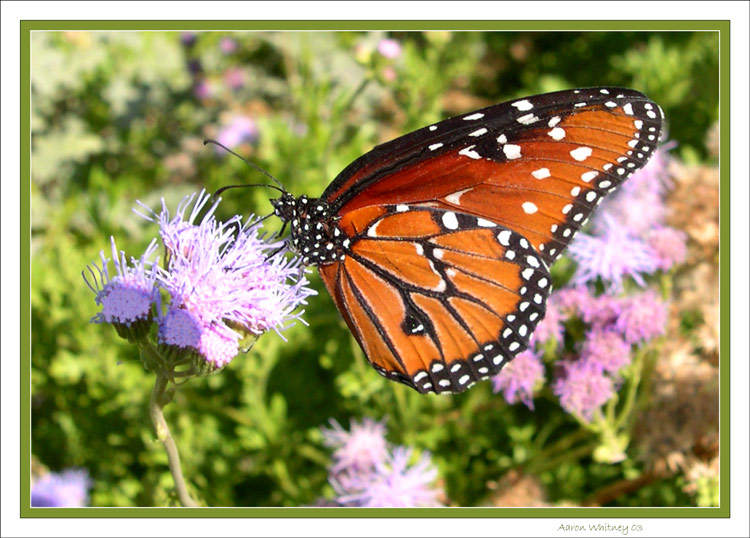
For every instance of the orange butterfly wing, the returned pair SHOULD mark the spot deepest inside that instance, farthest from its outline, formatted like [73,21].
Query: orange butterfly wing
[437,299]
[538,165]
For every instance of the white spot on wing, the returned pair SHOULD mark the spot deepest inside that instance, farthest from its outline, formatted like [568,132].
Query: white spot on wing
[523,105]
[476,116]
[470,153]
[529,207]
[478,132]
[527,119]
[433,147]
[541,173]
[504,238]
[372,230]
[581,153]
[557,133]
[512,151]
[455,198]
[450,221]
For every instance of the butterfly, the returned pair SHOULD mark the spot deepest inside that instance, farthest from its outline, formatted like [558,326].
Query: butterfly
[436,246]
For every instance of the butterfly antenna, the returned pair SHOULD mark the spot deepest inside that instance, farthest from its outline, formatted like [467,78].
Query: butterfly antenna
[258,168]
[243,186]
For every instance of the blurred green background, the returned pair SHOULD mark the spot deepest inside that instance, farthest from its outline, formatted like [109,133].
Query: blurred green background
[120,116]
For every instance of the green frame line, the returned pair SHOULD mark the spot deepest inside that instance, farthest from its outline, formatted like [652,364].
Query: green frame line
[28,26]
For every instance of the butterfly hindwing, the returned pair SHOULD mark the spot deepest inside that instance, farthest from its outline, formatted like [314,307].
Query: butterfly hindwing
[437,299]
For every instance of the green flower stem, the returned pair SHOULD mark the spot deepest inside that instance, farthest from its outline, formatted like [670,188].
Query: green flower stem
[558,447]
[635,380]
[162,432]
[573,454]
[356,93]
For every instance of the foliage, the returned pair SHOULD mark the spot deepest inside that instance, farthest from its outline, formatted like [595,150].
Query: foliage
[121,116]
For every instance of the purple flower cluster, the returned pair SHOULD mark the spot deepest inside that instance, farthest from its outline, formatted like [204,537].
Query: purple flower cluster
[642,318]
[239,130]
[668,245]
[551,328]
[518,379]
[126,297]
[629,237]
[358,449]
[224,281]
[615,324]
[607,348]
[367,472]
[389,48]
[583,387]
[612,255]
[67,489]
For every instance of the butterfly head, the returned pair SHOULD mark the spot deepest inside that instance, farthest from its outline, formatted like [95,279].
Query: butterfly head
[285,207]
[314,233]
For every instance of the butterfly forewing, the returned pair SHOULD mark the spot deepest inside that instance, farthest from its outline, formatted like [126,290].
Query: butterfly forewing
[437,299]
[538,165]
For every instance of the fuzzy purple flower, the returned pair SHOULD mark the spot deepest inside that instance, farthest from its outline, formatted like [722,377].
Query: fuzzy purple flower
[394,483]
[583,387]
[227,45]
[389,48]
[222,284]
[612,256]
[358,450]
[128,296]
[607,348]
[643,317]
[668,245]
[571,301]
[551,327]
[67,489]
[601,311]
[234,77]
[204,89]
[239,130]
[519,377]
[188,39]
[639,204]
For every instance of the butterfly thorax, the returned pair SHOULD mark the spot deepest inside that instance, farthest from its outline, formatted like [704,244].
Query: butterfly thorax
[315,237]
